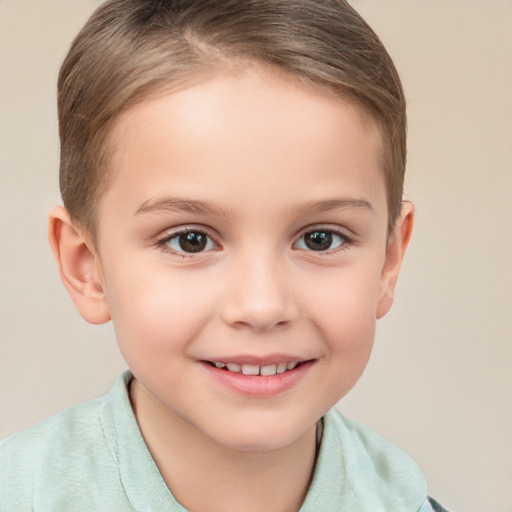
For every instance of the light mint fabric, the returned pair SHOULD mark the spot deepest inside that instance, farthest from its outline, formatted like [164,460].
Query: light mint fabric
[92,457]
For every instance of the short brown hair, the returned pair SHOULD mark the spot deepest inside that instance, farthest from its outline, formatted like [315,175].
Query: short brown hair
[131,49]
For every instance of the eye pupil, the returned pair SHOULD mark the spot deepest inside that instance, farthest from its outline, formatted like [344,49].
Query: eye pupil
[192,241]
[318,240]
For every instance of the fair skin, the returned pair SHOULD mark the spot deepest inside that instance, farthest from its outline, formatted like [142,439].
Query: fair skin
[246,225]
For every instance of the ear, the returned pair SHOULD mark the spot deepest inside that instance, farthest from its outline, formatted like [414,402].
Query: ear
[395,250]
[79,266]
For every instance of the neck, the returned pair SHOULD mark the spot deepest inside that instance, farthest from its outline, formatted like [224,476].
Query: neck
[206,476]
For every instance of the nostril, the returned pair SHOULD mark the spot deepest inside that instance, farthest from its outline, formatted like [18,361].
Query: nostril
[260,305]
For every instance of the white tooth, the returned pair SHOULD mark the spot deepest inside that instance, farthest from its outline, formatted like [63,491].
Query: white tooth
[281,368]
[271,369]
[220,365]
[234,367]
[292,365]
[250,369]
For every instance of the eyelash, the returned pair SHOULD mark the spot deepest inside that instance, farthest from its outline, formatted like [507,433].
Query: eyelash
[163,243]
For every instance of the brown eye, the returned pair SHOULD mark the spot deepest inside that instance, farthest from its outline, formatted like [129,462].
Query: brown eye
[320,240]
[190,242]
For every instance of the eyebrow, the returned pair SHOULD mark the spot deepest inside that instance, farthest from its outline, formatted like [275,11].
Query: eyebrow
[176,204]
[333,204]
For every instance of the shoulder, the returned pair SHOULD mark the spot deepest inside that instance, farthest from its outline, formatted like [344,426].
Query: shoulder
[364,471]
[60,458]
[364,448]
[45,450]
[53,436]
[392,467]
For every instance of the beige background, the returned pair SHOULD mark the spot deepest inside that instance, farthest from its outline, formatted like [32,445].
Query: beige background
[440,380]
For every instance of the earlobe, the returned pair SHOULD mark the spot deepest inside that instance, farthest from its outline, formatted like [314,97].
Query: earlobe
[395,251]
[79,267]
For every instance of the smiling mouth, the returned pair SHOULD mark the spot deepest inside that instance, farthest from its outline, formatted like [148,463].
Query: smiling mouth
[252,369]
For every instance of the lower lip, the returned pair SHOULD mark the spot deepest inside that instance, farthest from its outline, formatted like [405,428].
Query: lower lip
[259,386]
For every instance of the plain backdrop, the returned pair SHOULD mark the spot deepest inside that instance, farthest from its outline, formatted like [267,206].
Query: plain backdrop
[439,383]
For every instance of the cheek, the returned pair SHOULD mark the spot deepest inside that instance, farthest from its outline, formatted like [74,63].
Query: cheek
[348,296]
[343,310]
[156,312]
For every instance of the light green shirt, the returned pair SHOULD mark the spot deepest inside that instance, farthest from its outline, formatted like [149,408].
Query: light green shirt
[92,457]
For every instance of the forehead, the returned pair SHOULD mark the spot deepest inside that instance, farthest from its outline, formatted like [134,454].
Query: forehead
[250,132]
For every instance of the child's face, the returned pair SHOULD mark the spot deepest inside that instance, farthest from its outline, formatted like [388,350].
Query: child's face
[246,225]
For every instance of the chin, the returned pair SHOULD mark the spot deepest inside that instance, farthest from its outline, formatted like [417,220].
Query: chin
[257,445]
[254,436]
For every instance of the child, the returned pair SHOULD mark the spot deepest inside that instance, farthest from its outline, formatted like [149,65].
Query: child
[232,176]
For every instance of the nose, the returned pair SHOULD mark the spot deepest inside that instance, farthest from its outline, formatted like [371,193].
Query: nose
[258,295]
